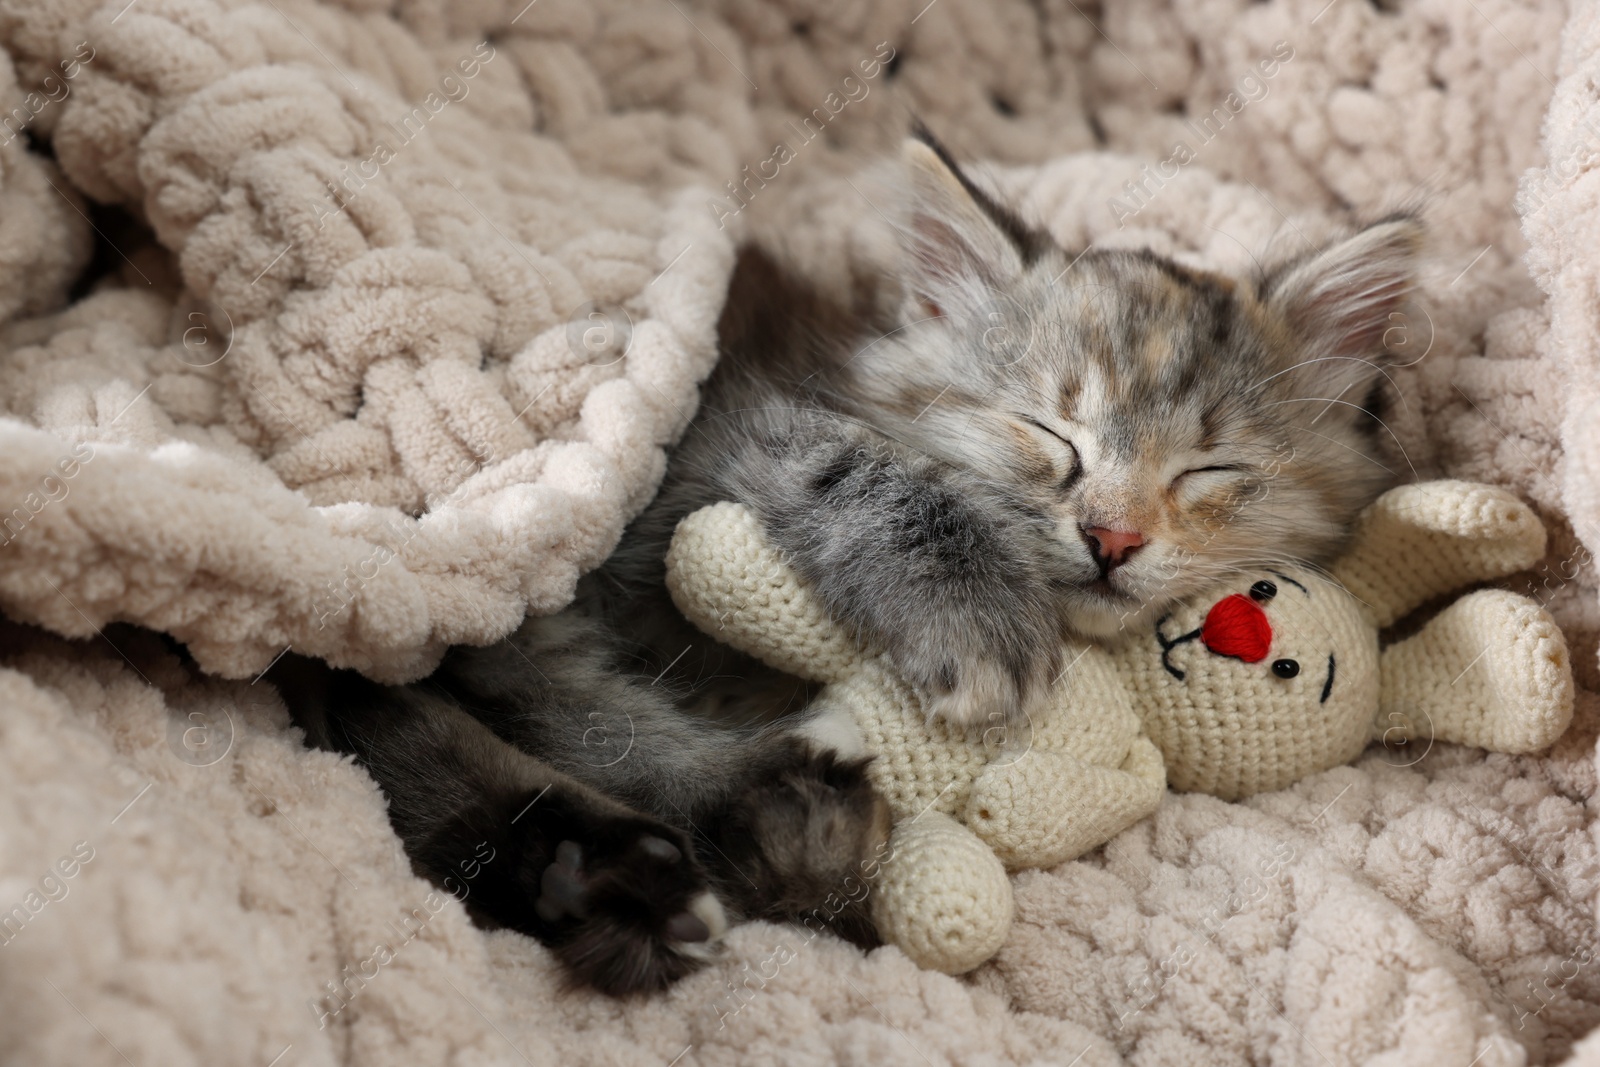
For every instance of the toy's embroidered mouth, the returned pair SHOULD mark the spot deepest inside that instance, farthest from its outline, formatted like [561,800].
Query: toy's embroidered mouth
[1168,644]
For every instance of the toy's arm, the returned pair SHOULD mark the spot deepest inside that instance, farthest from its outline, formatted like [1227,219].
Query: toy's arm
[1418,541]
[727,579]
[1490,670]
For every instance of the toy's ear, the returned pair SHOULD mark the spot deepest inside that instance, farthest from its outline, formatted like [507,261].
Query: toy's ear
[727,579]
[1418,541]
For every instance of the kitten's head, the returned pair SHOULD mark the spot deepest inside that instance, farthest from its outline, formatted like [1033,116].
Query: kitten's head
[1168,425]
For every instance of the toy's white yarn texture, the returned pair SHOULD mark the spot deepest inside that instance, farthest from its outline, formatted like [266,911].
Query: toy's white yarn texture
[729,581]
[1230,728]
[1491,669]
[193,524]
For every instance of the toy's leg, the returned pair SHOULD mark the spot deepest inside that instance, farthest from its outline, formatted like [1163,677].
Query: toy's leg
[942,896]
[1047,807]
[1490,670]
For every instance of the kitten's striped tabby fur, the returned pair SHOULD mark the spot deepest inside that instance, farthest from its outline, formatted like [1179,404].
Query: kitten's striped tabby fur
[1015,442]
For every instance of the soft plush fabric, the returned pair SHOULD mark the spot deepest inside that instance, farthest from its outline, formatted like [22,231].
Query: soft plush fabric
[369,421]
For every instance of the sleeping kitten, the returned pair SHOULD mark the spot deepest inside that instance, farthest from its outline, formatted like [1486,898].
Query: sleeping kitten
[1008,444]
[1034,442]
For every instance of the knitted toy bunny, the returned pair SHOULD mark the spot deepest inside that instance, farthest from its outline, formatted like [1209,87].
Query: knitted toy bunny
[1264,680]
[1279,674]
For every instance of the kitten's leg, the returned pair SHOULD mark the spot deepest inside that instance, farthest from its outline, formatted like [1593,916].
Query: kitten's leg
[783,826]
[930,563]
[619,895]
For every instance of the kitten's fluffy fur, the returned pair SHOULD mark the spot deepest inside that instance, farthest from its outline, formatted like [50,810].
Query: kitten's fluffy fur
[933,473]
[931,467]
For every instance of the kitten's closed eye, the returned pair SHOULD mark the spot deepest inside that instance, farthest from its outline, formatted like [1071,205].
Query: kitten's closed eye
[1072,463]
[1204,479]
[1066,438]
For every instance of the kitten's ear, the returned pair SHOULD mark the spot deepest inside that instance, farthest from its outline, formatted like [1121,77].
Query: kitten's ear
[1340,299]
[960,243]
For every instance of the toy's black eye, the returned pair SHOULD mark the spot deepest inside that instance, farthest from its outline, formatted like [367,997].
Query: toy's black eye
[1285,668]
[1263,591]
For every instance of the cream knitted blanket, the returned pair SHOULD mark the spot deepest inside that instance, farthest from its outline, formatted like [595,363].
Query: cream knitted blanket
[360,326]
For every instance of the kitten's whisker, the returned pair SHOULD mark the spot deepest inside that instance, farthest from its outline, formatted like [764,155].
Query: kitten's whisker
[1370,414]
[1242,245]
[1341,444]
[1322,359]
[1329,408]
[882,337]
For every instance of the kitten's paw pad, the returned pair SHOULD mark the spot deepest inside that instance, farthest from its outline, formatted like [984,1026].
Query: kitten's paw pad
[689,927]
[566,884]
[561,887]
[659,848]
[702,924]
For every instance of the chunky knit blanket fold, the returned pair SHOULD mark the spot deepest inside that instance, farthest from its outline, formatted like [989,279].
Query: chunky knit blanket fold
[361,326]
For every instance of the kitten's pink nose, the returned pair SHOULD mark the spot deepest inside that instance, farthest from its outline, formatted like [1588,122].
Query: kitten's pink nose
[1111,548]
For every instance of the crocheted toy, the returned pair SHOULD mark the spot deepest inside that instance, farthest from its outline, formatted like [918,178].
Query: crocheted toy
[1262,681]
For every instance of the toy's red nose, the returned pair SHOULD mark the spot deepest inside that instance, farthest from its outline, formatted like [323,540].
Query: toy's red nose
[1236,626]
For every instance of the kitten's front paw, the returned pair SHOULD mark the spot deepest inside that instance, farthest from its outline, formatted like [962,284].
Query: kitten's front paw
[987,691]
[628,909]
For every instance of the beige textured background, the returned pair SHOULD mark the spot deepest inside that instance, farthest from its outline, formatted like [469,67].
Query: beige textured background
[1406,910]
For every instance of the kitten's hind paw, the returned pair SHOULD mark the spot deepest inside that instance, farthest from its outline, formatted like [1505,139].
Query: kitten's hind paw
[804,844]
[628,910]
[565,894]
